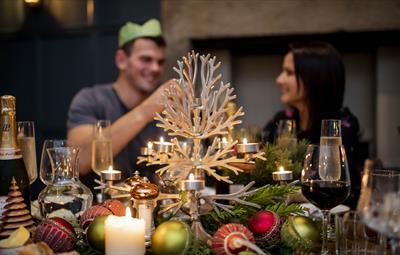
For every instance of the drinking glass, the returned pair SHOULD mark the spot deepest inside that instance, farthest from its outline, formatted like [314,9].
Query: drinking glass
[379,204]
[354,237]
[102,157]
[325,191]
[46,171]
[286,133]
[26,141]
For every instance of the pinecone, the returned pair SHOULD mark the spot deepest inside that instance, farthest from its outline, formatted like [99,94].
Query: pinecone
[15,212]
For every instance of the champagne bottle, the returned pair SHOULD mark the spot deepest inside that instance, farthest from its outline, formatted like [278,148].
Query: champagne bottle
[11,162]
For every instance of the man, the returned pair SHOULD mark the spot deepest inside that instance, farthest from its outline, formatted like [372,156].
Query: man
[130,102]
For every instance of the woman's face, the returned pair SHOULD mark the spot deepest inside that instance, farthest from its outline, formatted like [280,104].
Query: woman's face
[292,94]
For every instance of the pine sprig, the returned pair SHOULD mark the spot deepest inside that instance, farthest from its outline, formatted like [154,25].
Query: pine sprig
[269,197]
[284,210]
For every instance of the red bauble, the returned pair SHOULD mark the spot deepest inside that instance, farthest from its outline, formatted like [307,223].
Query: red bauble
[265,225]
[91,213]
[57,233]
[115,206]
[225,239]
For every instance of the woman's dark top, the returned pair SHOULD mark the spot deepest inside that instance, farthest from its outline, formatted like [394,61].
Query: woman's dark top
[350,139]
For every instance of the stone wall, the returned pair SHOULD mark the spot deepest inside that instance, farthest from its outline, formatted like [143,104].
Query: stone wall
[184,20]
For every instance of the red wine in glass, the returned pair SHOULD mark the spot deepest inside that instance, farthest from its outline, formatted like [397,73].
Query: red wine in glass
[325,194]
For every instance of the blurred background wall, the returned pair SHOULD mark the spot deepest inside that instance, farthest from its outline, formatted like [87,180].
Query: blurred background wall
[251,37]
[49,49]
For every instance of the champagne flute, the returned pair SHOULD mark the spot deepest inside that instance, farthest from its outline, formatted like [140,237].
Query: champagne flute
[102,157]
[26,142]
[46,171]
[325,193]
[379,204]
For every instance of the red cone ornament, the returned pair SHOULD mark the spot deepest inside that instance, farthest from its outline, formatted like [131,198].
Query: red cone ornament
[225,240]
[265,225]
[57,233]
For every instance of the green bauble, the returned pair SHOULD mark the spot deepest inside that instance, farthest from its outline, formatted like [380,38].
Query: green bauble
[171,238]
[95,233]
[300,233]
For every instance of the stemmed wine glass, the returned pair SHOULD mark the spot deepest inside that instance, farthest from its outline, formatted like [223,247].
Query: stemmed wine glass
[325,182]
[379,204]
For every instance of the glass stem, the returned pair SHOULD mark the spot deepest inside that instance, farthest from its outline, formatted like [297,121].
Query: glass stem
[395,246]
[325,222]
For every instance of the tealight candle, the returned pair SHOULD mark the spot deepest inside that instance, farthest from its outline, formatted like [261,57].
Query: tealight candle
[246,147]
[282,175]
[110,174]
[124,235]
[147,151]
[191,183]
[163,147]
[222,144]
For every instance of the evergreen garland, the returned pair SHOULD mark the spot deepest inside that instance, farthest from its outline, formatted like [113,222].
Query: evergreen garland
[290,158]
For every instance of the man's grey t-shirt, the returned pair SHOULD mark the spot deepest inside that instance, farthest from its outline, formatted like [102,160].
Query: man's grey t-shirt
[101,102]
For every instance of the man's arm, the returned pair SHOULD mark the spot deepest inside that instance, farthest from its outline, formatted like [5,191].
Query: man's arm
[123,129]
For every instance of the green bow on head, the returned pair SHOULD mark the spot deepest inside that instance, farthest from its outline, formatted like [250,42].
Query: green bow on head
[131,31]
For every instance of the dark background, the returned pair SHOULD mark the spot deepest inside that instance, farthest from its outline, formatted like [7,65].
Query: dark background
[45,60]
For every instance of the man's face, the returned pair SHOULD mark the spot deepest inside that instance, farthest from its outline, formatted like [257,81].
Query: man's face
[291,93]
[145,65]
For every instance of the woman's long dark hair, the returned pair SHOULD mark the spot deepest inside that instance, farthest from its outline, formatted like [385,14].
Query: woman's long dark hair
[320,68]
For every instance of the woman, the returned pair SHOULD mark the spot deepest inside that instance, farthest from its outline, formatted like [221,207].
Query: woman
[312,84]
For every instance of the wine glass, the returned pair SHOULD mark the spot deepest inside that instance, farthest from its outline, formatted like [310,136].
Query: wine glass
[26,142]
[379,204]
[322,185]
[102,157]
[286,133]
[46,171]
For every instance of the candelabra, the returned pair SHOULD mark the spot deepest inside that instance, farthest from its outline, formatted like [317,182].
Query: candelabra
[198,115]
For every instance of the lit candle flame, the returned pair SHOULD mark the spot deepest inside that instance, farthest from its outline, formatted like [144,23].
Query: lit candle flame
[128,213]
[149,145]
[244,140]
[224,140]
[281,169]
[110,168]
[161,139]
[191,177]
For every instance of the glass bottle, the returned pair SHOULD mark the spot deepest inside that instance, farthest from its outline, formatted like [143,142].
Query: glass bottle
[11,161]
[65,196]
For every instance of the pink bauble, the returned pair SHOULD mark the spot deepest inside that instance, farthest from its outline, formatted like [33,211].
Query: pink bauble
[115,206]
[57,233]
[91,213]
[224,240]
[265,225]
